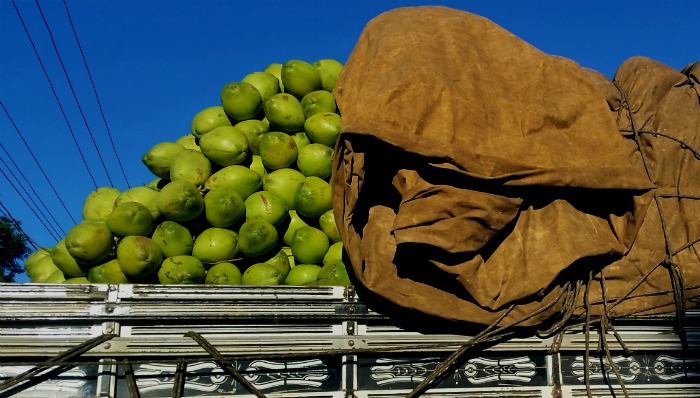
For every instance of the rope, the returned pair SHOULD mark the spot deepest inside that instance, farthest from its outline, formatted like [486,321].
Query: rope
[587,339]
[489,334]
[678,288]
[607,319]
[570,292]
[606,324]
[676,276]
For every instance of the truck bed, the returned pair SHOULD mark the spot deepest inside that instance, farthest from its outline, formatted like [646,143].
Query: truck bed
[97,340]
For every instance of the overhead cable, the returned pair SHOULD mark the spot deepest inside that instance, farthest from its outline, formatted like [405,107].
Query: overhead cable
[26,183]
[17,226]
[53,235]
[48,79]
[31,153]
[75,97]
[37,211]
[97,98]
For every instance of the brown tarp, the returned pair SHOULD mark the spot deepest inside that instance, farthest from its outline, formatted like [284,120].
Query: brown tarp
[479,179]
[659,108]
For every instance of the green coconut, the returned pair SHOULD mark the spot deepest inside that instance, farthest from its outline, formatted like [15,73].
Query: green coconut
[99,203]
[256,238]
[253,130]
[225,273]
[225,146]
[313,197]
[173,239]
[180,201]
[261,274]
[109,272]
[65,262]
[214,245]
[191,166]
[303,275]
[223,207]
[285,113]
[300,78]
[267,206]
[90,242]
[323,128]
[181,270]
[144,195]
[309,245]
[318,101]
[130,218]
[315,160]
[139,256]
[239,178]
[160,156]
[208,119]
[266,83]
[241,100]
[284,183]
[329,69]
[277,150]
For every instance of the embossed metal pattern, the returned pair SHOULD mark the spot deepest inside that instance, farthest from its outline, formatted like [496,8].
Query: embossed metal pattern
[643,368]
[401,372]
[77,382]
[206,378]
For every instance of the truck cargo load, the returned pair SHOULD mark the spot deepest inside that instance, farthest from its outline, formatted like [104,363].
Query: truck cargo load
[512,224]
[478,179]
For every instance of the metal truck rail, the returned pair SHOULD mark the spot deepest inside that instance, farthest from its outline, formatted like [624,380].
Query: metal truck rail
[97,340]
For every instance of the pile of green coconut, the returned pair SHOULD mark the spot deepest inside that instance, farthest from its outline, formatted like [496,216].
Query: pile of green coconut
[243,199]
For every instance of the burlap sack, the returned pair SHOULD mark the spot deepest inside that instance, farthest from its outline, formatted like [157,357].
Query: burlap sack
[659,108]
[477,178]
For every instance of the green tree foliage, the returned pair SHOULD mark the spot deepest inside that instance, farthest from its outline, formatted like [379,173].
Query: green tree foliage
[13,247]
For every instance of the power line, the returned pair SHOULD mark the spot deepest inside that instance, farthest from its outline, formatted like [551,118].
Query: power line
[30,207]
[97,98]
[54,94]
[72,90]
[28,184]
[26,195]
[18,227]
[36,161]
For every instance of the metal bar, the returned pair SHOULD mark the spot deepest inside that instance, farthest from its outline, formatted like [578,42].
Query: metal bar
[180,377]
[396,347]
[555,369]
[220,360]
[130,379]
[57,360]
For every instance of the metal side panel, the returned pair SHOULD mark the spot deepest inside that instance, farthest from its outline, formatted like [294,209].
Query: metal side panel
[642,336]
[306,342]
[48,302]
[54,291]
[58,382]
[287,339]
[647,391]
[379,336]
[26,340]
[641,374]
[303,377]
[502,374]
[215,293]
[157,302]
[514,392]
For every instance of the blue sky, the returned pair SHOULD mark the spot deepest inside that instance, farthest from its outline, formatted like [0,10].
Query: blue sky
[155,64]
